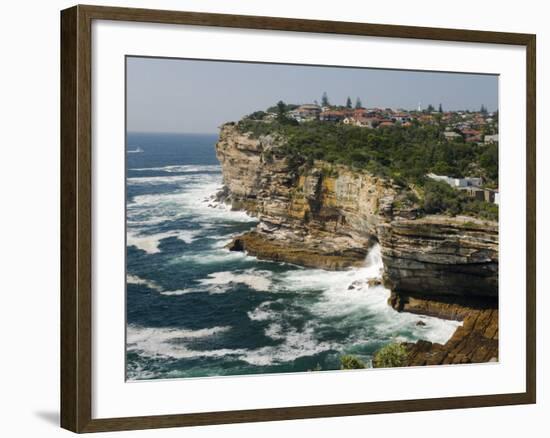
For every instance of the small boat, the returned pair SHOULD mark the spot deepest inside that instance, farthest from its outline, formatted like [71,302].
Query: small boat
[135,151]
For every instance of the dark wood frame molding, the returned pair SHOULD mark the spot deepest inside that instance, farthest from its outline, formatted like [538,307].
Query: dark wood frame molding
[76,219]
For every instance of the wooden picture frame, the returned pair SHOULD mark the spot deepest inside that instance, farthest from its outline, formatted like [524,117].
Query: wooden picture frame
[76,217]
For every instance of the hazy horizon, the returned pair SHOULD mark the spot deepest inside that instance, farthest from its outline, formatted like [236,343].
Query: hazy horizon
[177,96]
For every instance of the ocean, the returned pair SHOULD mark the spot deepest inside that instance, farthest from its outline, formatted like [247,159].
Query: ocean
[195,309]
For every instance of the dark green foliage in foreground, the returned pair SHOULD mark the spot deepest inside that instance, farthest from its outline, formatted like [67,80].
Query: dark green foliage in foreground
[391,355]
[442,198]
[349,362]
[404,154]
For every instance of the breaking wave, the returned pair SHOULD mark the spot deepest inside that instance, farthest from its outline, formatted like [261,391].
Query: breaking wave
[259,316]
[258,280]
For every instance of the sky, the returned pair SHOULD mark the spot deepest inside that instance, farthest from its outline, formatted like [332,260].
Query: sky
[195,96]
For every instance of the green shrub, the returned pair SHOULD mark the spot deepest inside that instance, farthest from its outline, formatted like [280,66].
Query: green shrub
[409,152]
[440,197]
[482,209]
[391,355]
[349,362]
[404,154]
[256,115]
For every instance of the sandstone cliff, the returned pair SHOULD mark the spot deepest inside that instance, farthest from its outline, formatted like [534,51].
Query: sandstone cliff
[328,216]
[476,341]
[324,216]
[440,259]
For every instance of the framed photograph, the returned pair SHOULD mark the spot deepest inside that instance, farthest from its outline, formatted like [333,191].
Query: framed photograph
[269,218]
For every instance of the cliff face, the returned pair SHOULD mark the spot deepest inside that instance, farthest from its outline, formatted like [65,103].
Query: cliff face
[476,341]
[325,216]
[440,258]
[328,216]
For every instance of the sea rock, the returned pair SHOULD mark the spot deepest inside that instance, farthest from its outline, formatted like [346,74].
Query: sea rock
[374,282]
[441,255]
[291,249]
[476,341]
[358,285]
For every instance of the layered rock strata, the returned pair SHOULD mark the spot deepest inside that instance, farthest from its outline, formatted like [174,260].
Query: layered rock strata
[323,216]
[476,341]
[328,216]
[440,255]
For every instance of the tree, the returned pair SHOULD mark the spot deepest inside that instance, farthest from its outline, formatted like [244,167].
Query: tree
[440,197]
[324,99]
[256,115]
[349,362]
[281,110]
[392,355]
[358,103]
[348,103]
[440,108]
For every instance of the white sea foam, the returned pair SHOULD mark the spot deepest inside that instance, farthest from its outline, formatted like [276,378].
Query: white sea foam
[217,255]
[258,280]
[182,168]
[353,304]
[192,200]
[322,293]
[295,344]
[176,292]
[164,179]
[166,342]
[262,312]
[150,242]
[137,334]
[162,342]
[335,299]
[275,331]
[134,279]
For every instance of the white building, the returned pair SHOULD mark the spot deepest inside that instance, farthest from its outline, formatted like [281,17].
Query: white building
[457,182]
[451,135]
[491,139]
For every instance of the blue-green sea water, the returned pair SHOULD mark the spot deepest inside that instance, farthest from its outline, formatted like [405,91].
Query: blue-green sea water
[195,309]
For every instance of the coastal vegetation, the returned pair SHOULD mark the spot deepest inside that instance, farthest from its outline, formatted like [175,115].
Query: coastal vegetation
[406,154]
[403,154]
[390,356]
[330,215]
[350,362]
[439,197]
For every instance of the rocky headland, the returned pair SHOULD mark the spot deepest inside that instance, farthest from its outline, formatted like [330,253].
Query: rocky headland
[329,216]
